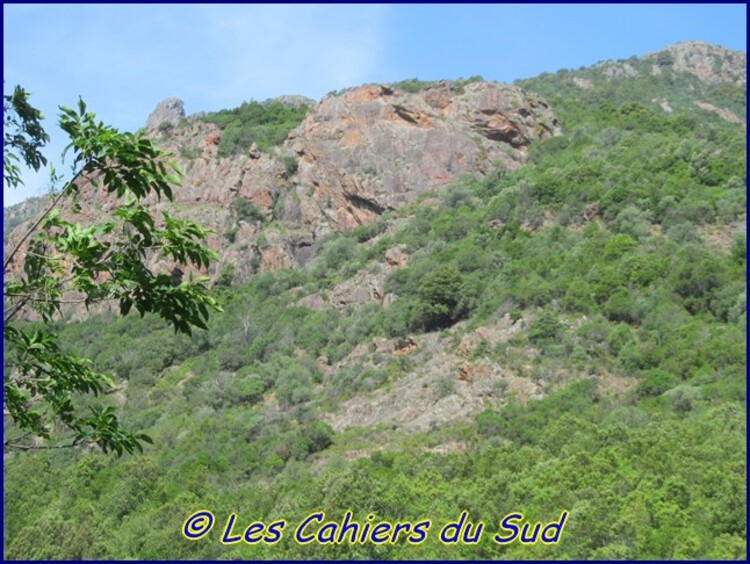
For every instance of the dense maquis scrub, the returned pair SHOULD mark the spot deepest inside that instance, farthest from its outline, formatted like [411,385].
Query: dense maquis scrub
[265,124]
[621,237]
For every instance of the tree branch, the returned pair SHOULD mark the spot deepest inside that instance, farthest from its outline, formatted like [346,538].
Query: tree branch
[15,309]
[33,298]
[40,219]
[8,444]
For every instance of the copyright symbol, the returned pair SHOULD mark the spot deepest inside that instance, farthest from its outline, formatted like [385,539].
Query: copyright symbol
[198,525]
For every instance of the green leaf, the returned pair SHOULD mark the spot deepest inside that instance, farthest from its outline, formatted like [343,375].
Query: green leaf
[101,261]
[125,306]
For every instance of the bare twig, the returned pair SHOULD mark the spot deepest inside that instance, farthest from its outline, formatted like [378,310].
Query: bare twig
[34,447]
[33,298]
[14,309]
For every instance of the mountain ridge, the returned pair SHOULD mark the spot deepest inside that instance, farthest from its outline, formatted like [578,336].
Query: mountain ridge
[345,176]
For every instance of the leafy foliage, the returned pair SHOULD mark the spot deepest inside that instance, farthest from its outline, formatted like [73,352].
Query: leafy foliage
[23,136]
[95,263]
[266,125]
[442,300]
[290,165]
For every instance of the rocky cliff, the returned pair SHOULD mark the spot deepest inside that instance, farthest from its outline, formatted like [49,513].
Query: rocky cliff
[375,148]
[370,149]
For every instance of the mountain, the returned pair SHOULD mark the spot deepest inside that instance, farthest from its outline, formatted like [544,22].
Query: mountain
[375,148]
[354,156]
[438,297]
[682,77]
[22,212]
[372,149]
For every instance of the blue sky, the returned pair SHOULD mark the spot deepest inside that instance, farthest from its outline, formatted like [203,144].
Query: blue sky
[124,59]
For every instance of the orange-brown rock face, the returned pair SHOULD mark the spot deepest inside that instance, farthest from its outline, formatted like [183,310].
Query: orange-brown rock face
[370,149]
[375,148]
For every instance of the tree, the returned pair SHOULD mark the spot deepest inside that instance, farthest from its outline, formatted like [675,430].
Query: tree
[441,296]
[57,262]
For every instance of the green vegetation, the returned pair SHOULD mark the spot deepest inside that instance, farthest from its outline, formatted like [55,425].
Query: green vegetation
[165,127]
[442,298]
[63,262]
[266,125]
[244,210]
[290,165]
[629,318]
[190,153]
[414,85]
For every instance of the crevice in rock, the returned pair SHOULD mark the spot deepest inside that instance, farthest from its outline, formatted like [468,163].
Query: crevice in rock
[364,203]
[406,114]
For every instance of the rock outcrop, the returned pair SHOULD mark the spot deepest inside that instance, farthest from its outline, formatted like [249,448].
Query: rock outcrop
[375,148]
[292,100]
[169,111]
[710,63]
[442,386]
[371,149]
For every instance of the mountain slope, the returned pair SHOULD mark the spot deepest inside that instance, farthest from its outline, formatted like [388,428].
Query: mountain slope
[681,78]
[566,335]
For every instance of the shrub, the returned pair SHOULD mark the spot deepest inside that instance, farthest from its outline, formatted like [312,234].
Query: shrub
[165,127]
[439,298]
[364,233]
[620,307]
[682,397]
[226,275]
[246,389]
[190,153]
[656,382]
[319,436]
[545,328]
[618,246]
[245,210]
[231,233]
[266,125]
[444,386]
[290,165]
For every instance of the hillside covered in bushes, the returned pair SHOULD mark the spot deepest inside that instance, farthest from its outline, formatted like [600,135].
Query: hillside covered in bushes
[563,334]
